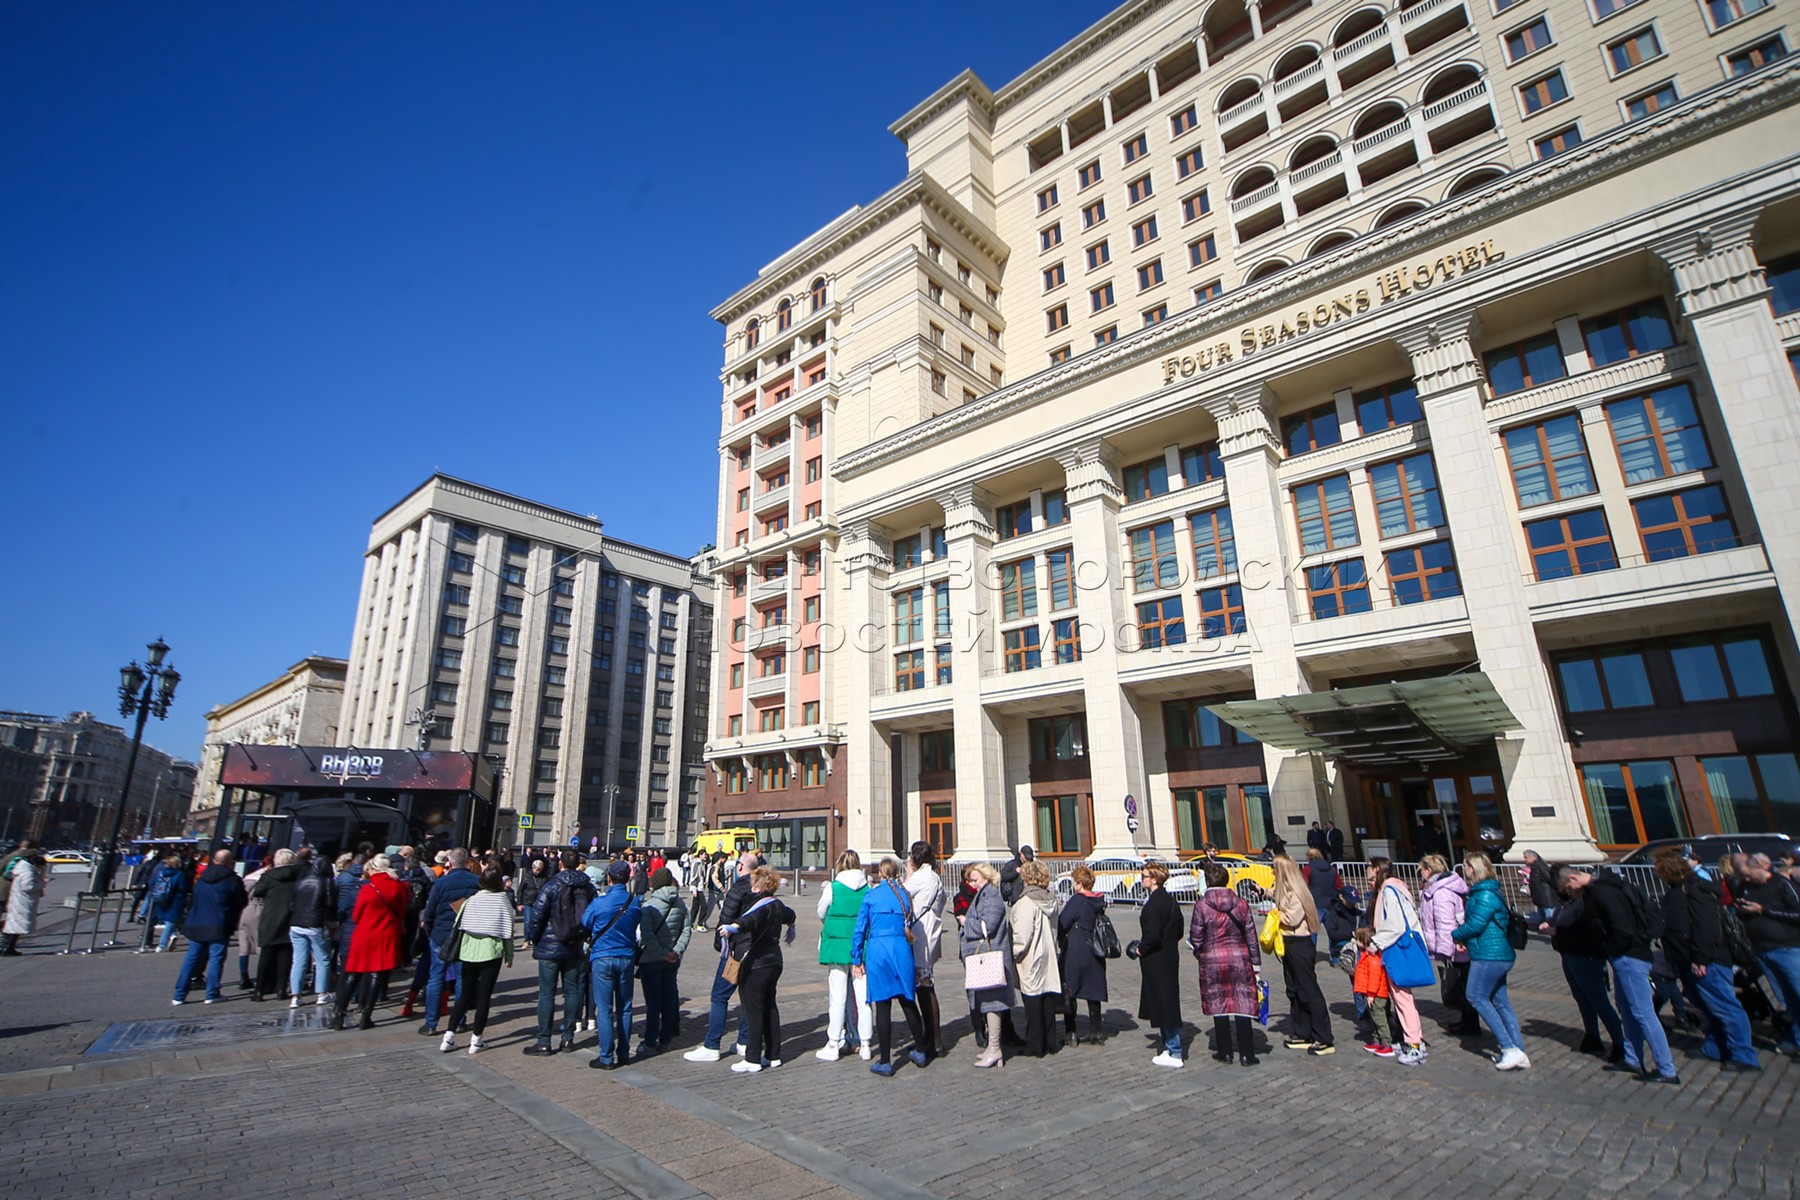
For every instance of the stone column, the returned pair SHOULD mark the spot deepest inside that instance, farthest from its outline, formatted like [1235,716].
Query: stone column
[1115,738]
[1725,298]
[1548,813]
[981,802]
[1251,451]
[868,799]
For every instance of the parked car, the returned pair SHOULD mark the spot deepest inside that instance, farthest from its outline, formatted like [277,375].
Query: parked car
[1117,878]
[69,858]
[1709,848]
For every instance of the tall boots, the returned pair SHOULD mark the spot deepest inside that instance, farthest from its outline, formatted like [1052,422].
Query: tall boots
[992,1056]
[412,998]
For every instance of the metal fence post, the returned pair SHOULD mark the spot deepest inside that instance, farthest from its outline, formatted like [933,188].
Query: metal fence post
[69,946]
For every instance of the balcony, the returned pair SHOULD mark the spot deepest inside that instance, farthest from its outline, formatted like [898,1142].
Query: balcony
[1360,49]
[769,637]
[767,685]
[1431,21]
[1263,197]
[1444,111]
[773,498]
[1242,121]
[1729,582]
[1382,140]
[765,590]
[1303,90]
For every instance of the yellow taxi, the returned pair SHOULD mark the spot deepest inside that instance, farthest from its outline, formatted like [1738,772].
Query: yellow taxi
[1258,871]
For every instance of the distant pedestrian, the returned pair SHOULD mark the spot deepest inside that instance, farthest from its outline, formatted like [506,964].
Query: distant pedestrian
[314,908]
[248,924]
[881,955]
[26,875]
[1334,842]
[349,881]
[1483,934]
[378,924]
[486,923]
[1157,949]
[755,941]
[1222,935]
[452,889]
[1540,888]
[219,900]
[170,891]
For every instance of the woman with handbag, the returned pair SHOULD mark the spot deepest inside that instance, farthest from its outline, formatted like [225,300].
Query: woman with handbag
[1483,934]
[987,953]
[755,943]
[1440,911]
[1083,969]
[881,956]
[1396,936]
[1309,1019]
[480,941]
[1157,950]
[1033,920]
[1223,938]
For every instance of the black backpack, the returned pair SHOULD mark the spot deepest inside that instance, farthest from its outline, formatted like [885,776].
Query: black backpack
[565,917]
[418,890]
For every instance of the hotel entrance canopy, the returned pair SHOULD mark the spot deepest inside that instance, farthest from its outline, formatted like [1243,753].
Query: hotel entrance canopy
[1382,725]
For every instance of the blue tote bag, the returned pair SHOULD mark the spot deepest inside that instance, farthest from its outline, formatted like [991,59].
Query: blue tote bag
[1406,962]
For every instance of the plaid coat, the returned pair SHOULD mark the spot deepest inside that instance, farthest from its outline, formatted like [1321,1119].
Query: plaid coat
[1223,936]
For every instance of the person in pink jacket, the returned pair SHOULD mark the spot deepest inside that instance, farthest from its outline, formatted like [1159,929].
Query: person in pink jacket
[1440,911]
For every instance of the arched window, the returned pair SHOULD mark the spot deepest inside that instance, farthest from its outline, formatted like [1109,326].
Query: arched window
[1239,91]
[1259,176]
[753,334]
[1330,242]
[1294,61]
[784,316]
[1399,213]
[1363,21]
[1378,117]
[818,293]
[1311,151]
[1480,177]
[1448,83]
[1261,271]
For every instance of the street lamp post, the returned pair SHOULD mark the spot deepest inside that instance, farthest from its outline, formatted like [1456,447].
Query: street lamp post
[142,691]
[612,797]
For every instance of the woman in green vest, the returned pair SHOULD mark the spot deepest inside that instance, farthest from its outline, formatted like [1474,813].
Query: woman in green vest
[839,902]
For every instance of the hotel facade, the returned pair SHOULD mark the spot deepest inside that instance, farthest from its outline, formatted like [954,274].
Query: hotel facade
[1259,415]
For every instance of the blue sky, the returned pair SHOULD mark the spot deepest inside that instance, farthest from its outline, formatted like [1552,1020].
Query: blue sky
[265,266]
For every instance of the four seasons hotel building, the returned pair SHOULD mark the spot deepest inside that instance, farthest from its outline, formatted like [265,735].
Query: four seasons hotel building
[1383,413]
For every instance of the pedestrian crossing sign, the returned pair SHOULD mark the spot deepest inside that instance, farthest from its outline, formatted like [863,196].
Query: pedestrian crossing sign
[524,820]
[634,833]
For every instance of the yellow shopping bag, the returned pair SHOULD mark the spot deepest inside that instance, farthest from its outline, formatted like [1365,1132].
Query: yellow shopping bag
[1270,938]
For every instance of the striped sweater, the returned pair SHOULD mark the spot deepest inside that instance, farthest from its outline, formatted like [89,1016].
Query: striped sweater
[489,914]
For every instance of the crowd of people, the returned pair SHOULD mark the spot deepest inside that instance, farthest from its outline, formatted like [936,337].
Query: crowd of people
[600,928]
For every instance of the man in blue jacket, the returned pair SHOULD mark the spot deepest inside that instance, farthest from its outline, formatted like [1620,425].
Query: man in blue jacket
[447,895]
[612,922]
[219,900]
[555,958]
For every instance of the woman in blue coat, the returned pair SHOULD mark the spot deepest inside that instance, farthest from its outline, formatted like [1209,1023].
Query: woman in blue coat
[881,954]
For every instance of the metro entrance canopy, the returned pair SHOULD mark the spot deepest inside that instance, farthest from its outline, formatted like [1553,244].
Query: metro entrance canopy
[1385,724]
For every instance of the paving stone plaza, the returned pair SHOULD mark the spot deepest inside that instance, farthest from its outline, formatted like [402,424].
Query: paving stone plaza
[249,1103]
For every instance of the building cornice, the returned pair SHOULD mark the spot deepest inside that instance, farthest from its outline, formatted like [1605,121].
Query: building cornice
[1699,117]
[968,84]
[475,491]
[917,189]
[1073,51]
[331,674]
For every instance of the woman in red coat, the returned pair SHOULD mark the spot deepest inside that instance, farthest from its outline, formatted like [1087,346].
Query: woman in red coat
[378,919]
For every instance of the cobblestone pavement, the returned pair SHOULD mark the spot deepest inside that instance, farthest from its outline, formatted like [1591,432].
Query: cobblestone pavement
[1088,1120]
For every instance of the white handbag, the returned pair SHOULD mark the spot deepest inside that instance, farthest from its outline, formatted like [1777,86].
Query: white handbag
[984,969]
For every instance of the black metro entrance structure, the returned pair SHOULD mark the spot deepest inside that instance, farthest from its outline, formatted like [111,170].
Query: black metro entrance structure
[339,798]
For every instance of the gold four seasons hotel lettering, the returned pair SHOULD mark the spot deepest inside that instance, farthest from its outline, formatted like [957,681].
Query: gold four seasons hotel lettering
[1389,285]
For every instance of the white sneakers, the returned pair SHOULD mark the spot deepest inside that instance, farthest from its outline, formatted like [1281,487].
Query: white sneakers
[476,1045]
[746,1067]
[294,1003]
[829,1054]
[702,1054]
[866,1053]
[1511,1060]
[323,999]
[449,1043]
[1165,1059]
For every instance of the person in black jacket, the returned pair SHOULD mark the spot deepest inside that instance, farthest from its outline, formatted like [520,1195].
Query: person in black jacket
[1622,917]
[1770,907]
[556,959]
[1576,936]
[1694,941]
[314,909]
[1011,886]
[276,891]
[756,935]
[730,908]
[1161,936]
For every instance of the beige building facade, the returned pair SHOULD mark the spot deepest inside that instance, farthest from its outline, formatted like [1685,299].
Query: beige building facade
[575,662]
[300,707]
[1257,416]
